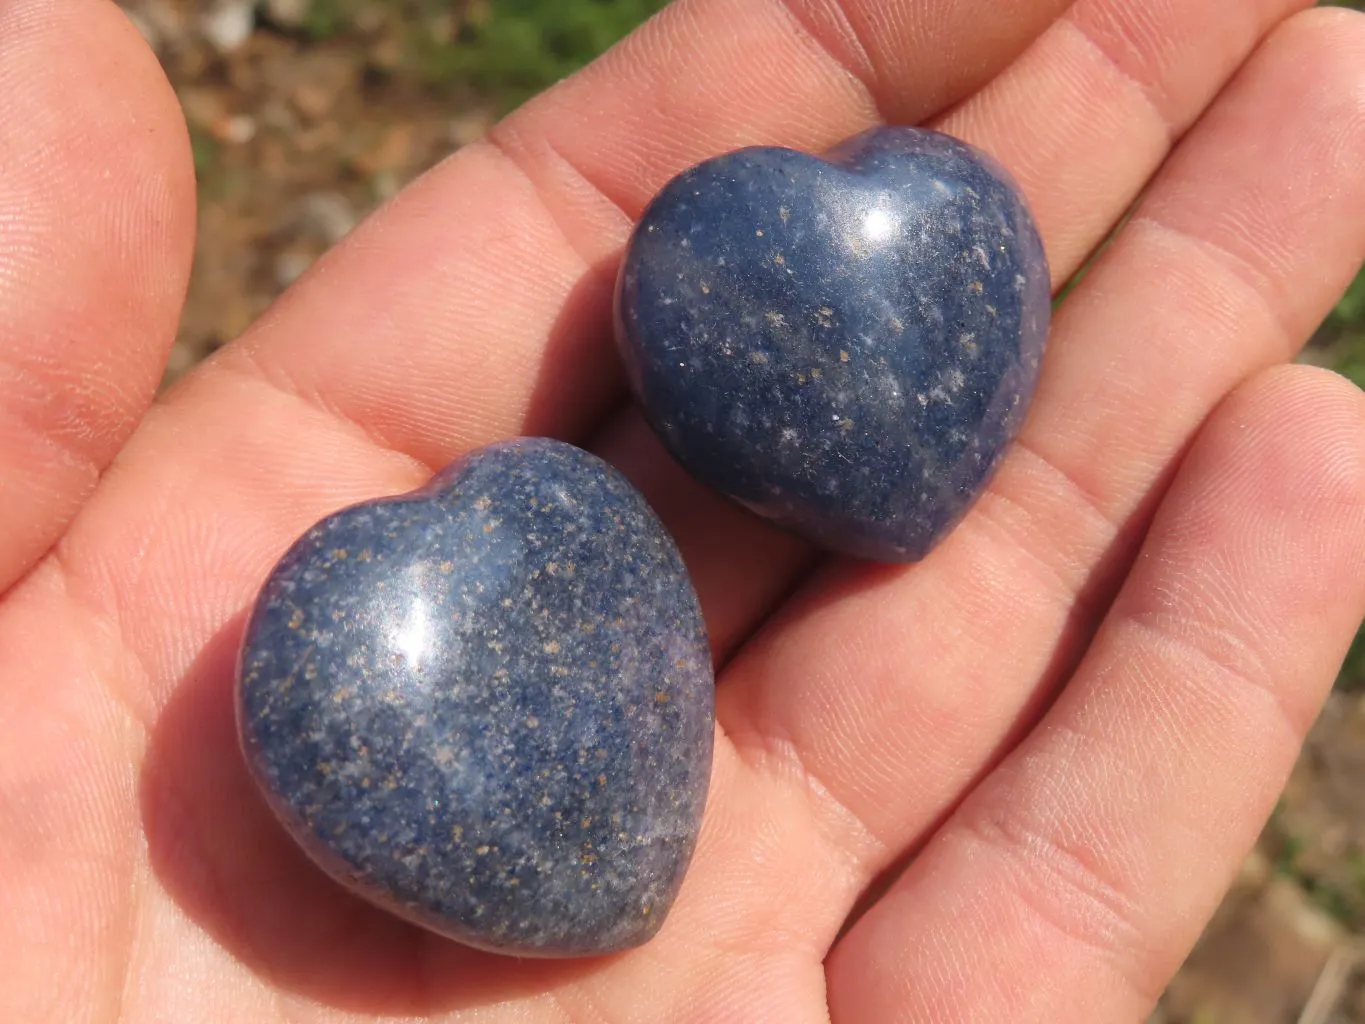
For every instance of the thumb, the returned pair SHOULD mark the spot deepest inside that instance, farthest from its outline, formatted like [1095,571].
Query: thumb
[96,236]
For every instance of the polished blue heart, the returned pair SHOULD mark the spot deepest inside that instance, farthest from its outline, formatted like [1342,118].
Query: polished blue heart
[488,706]
[846,344]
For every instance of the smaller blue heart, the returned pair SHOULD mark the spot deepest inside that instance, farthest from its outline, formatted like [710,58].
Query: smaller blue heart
[846,345]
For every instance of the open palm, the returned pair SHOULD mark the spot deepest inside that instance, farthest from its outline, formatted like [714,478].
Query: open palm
[1074,714]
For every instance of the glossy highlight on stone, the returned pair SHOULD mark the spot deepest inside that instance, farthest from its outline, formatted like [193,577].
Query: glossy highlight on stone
[845,344]
[487,706]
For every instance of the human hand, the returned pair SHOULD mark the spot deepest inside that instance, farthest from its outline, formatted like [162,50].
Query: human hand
[1075,714]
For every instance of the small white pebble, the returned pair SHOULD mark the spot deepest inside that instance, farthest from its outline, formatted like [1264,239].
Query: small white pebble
[228,24]
[290,265]
[237,130]
[289,13]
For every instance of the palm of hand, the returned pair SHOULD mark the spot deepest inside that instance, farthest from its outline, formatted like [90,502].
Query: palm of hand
[1176,538]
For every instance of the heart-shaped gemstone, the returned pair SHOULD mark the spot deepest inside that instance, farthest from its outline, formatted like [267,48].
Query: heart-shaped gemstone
[487,706]
[845,344]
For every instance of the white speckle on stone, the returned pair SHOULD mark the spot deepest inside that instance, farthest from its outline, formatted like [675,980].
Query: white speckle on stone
[879,225]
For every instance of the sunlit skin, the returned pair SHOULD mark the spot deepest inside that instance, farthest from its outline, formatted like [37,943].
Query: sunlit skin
[1075,714]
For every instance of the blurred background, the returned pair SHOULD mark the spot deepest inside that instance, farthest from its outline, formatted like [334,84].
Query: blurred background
[306,114]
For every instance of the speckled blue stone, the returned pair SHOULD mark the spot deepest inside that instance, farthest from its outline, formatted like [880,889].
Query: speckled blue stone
[845,344]
[487,706]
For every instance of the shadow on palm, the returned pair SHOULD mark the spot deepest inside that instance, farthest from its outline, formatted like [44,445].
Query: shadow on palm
[221,855]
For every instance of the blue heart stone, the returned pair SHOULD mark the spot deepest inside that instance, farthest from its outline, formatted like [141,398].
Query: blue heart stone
[847,344]
[487,706]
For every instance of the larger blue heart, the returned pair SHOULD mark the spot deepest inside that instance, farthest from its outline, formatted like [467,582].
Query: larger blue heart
[845,344]
[487,706]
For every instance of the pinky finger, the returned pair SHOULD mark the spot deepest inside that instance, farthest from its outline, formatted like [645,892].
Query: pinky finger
[1070,885]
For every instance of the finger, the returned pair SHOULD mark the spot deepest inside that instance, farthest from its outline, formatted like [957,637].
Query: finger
[477,305]
[96,229]
[1086,116]
[1072,883]
[895,690]
[1083,119]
